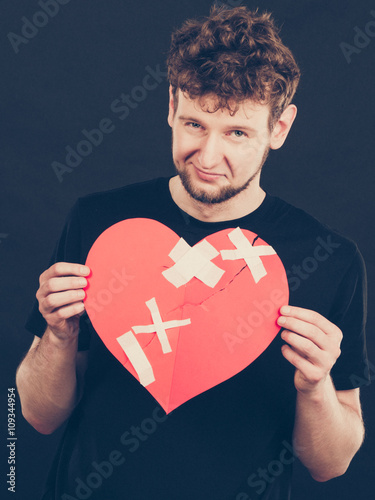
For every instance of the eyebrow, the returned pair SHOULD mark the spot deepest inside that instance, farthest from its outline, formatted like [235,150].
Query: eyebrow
[233,127]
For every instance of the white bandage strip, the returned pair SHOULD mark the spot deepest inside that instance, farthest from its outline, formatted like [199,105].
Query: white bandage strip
[137,358]
[134,351]
[251,254]
[193,262]
[159,327]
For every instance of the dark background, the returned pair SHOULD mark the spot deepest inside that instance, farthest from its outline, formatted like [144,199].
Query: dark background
[66,78]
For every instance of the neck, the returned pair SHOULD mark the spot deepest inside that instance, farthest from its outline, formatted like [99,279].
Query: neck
[239,206]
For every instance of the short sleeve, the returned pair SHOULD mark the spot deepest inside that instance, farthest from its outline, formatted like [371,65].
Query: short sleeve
[349,313]
[67,249]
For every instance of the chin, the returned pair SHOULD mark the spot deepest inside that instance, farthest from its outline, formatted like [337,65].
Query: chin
[207,193]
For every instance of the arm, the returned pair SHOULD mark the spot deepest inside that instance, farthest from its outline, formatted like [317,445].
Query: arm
[49,379]
[328,428]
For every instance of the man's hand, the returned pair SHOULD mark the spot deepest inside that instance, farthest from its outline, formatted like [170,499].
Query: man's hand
[328,428]
[314,346]
[60,296]
[50,378]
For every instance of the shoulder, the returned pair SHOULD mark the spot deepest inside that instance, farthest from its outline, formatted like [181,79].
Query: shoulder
[297,222]
[302,231]
[134,200]
[96,212]
[131,193]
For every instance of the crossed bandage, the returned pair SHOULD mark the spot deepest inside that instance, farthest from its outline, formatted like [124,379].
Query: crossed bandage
[197,262]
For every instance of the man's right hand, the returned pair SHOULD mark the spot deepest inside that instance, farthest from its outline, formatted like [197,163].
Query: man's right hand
[60,296]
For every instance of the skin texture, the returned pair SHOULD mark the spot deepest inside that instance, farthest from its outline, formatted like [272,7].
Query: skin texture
[219,158]
[50,378]
[218,154]
[328,429]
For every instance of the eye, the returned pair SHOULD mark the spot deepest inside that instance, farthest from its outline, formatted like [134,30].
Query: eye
[193,125]
[238,134]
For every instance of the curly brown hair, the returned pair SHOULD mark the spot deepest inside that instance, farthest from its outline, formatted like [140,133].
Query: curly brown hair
[235,55]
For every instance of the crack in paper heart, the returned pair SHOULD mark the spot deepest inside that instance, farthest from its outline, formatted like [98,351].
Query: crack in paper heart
[210,296]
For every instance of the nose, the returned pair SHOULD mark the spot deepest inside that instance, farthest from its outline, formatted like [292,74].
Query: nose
[211,152]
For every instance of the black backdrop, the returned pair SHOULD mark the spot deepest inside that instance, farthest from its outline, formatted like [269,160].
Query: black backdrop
[66,75]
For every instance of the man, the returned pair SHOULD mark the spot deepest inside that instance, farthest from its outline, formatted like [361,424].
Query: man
[232,82]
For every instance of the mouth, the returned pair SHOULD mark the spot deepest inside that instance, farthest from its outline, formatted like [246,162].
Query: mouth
[207,176]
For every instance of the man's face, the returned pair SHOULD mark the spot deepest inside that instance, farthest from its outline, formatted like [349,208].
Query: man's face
[215,154]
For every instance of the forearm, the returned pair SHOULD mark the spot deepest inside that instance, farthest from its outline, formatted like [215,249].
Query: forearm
[327,433]
[47,382]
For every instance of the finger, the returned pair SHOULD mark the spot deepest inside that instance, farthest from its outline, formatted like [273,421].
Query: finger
[304,347]
[311,317]
[307,330]
[310,372]
[55,301]
[54,285]
[64,313]
[64,269]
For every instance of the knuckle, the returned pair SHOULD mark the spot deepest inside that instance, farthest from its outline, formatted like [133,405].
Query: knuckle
[315,316]
[59,313]
[74,283]
[79,307]
[288,352]
[309,349]
[48,285]
[314,335]
[315,378]
[49,301]
[57,268]
[337,332]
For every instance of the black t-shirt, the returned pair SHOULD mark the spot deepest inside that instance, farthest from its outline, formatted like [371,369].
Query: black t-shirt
[234,441]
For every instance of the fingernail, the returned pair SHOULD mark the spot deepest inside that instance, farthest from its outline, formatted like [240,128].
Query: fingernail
[285,310]
[281,320]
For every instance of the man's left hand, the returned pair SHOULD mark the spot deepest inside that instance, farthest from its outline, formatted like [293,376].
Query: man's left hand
[313,346]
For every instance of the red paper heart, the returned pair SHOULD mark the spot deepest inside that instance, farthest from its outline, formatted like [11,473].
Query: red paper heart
[231,324]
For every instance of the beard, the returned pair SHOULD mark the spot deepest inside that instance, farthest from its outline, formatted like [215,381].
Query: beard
[222,194]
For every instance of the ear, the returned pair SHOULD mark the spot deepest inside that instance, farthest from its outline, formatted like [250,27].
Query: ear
[171,107]
[283,125]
